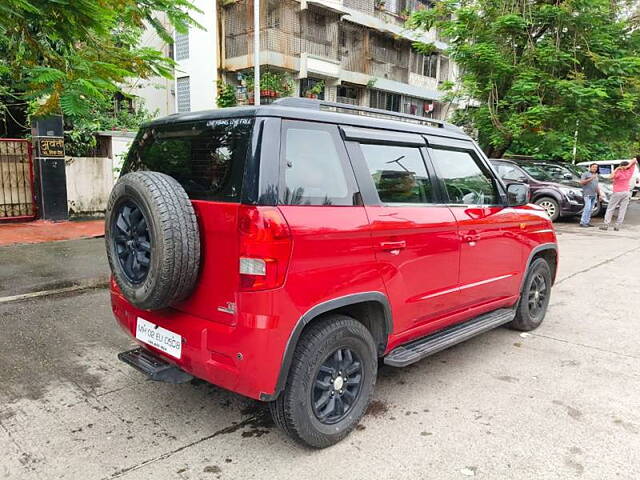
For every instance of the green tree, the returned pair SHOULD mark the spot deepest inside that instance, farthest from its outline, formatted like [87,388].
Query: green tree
[540,76]
[63,56]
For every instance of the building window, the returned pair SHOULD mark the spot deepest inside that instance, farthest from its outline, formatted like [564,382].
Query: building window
[273,15]
[425,65]
[183,94]
[413,106]
[348,94]
[182,46]
[384,100]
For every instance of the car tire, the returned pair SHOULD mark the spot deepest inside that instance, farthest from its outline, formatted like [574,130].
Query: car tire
[301,409]
[597,211]
[551,205]
[152,240]
[534,298]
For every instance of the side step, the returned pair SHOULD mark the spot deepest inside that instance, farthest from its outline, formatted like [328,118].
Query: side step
[153,366]
[417,350]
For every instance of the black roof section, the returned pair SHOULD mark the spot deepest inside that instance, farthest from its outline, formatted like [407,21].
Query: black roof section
[326,112]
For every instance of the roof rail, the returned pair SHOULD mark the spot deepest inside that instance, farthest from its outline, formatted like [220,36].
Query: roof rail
[296,102]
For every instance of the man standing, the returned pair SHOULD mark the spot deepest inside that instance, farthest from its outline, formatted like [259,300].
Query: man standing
[621,193]
[590,193]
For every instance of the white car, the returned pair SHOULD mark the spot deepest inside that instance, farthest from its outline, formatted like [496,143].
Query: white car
[606,168]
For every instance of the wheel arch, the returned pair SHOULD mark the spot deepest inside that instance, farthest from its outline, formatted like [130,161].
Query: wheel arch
[548,251]
[372,309]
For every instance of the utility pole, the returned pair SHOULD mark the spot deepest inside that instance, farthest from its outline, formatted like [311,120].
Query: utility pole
[256,52]
[575,141]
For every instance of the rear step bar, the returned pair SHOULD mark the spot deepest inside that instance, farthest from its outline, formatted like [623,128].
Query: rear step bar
[154,367]
[412,352]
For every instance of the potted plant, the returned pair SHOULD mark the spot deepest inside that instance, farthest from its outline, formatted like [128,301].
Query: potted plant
[316,90]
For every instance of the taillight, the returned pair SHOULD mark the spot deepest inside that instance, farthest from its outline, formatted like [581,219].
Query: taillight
[265,247]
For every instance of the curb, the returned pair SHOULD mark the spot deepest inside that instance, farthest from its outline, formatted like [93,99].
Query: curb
[102,282]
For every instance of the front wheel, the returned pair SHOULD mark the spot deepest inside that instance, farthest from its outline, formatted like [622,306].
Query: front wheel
[551,206]
[330,383]
[597,209]
[534,299]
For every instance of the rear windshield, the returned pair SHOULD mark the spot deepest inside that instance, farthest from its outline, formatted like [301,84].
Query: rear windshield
[207,158]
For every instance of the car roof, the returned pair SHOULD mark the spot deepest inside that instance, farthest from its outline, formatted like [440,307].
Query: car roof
[602,162]
[323,112]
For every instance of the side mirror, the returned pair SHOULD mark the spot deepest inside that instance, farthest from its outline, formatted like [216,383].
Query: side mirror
[517,194]
[567,176]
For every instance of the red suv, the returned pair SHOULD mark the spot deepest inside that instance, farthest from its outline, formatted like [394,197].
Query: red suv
[280,251]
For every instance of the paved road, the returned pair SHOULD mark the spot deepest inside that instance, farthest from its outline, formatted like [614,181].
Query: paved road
[562,402]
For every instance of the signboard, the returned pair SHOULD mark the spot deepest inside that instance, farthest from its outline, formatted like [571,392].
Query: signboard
[51,147]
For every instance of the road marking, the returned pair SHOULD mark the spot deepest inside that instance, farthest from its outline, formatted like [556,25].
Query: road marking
[97,283]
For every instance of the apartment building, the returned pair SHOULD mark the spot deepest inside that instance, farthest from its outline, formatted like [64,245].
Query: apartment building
[196,73]
[357,50]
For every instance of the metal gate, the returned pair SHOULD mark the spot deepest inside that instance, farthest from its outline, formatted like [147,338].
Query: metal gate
[16,180]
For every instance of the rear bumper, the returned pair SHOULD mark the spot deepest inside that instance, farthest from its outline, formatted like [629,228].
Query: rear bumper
[231,357]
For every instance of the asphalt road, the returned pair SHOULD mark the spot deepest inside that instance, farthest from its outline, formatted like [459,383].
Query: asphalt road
[562,402]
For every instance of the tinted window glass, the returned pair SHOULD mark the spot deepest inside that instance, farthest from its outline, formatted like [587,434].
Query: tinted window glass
[507,171]
[313,170]
[465,181]
[538,173]
[399,173]
[207,158]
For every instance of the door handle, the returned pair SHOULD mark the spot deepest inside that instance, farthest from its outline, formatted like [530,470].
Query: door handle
[471,237]
[393,247]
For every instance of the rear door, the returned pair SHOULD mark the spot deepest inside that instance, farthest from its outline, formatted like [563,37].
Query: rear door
[490,233]
[319,197]
[414,235]
[208,159]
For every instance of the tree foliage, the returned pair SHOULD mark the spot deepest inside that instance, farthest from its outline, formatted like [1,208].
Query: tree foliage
[535,72]
[66,55]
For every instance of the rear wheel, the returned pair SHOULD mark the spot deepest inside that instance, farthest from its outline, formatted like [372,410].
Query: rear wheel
[597,209]
[535,296]
[551,206]
[330,382]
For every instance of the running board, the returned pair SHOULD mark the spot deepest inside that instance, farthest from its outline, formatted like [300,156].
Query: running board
[417,350]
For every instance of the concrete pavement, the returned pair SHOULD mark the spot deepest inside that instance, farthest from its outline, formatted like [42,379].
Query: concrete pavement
[561,402]
[50,266]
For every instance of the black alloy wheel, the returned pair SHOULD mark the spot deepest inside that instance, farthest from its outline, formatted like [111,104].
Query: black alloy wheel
[538,292]
[132,242]
[337,386]
[534,298]
[330,382]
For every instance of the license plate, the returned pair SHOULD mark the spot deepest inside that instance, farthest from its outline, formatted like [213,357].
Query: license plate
[161,338]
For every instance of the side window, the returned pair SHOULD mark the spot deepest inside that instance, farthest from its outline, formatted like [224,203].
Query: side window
[399,173]
[466,183]
[316,171]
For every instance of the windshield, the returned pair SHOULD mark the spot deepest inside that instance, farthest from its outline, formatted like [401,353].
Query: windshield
[538,173]
[206,157]
[559,173]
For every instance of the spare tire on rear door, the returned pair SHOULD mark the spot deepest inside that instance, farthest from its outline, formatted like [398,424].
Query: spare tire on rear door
[152,239]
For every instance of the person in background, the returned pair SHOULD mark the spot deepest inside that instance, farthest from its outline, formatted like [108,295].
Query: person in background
[590,192]
[621,193]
